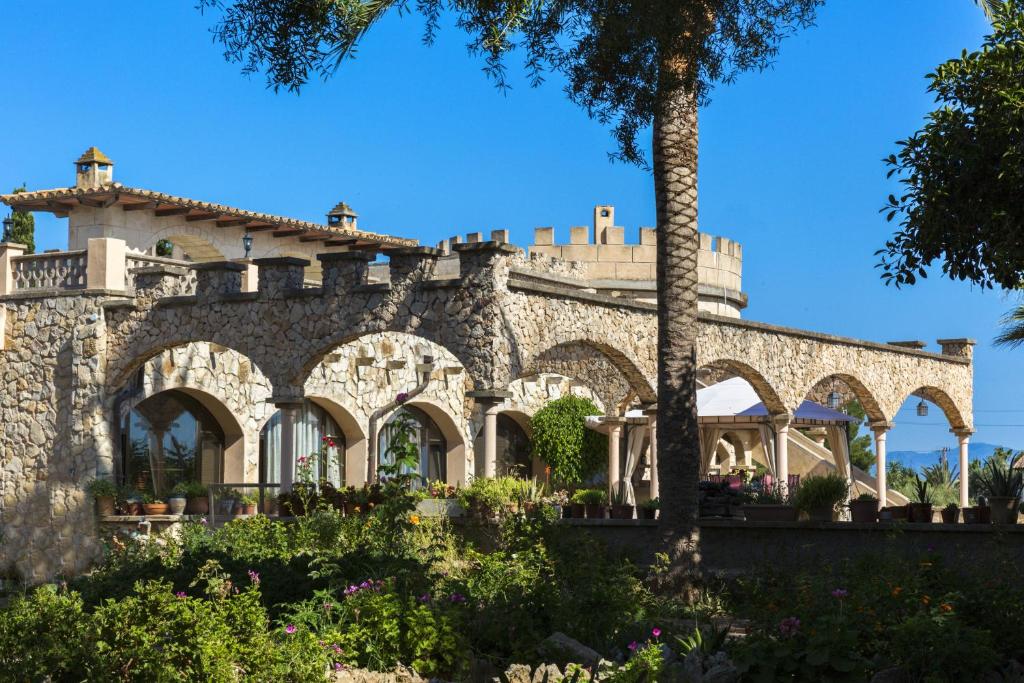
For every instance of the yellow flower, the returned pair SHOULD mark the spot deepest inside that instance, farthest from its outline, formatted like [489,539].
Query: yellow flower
[415,519]
[926,600]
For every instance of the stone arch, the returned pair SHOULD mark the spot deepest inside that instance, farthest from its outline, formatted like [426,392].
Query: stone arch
[724,368]
[458,455]
[943,400]
[569,358]
[193,247]
[355,439]
[867,399]
[224,381]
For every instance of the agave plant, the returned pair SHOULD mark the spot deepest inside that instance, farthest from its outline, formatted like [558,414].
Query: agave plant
[1002,480]
[921,492]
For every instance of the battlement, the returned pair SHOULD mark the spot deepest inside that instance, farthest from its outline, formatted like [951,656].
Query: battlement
[603,255]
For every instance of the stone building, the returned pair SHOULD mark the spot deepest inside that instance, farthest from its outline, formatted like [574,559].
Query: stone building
[117,363]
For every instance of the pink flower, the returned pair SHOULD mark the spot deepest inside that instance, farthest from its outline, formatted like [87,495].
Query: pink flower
[289,629]
[656,632]
[203,521]
[180,594]
[789,626]
[337,666]
[254,577]
[840,593]
[633,646]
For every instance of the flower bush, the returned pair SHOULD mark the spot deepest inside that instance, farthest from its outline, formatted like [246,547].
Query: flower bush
[562,440]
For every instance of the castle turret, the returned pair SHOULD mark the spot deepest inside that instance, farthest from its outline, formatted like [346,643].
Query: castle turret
[93,169]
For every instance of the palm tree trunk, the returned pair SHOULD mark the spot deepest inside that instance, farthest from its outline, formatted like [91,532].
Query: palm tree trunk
[675,190]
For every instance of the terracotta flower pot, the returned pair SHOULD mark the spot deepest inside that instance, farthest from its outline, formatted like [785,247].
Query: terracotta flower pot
[249,509]
[1004,509]
[950,516]
[823,514]
[622,511]
[769,513]
[647,513]
[105,506]
[155,508]
[893,513]
[864,510]
[134,507]
[579,510]
[920,513]
[199,505]
[594,511]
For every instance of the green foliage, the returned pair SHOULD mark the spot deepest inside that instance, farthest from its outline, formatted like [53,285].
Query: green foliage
[824,649]
[943,482]
[562,440]
[44,634]
[1002,478]
[921,493]
[962,173]
[645,666]
[826,491]
[767,495]
[651,504]
[589,497]
[101,488]
[165,248]
[24,229]
[490,497]
[190,489]
[900,478]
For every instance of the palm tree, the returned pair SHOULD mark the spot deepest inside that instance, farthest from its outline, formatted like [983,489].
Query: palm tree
[1013,328]
[628,64]
[988,7]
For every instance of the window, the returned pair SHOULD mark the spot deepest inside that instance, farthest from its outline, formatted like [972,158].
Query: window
[433,465]
[312,424]
[169,438]
[513,448]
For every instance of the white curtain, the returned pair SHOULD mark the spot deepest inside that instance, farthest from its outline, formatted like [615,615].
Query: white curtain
[768,443]
[709,437]
[839,444]
[637,434]
[312,424]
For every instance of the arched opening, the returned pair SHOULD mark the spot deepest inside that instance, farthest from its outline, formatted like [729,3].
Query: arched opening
[175,436]
[315,429]
[845,392]
[186,247]
[426,435]
[514,447]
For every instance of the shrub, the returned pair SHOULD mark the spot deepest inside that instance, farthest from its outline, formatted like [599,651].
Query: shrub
[589,497]
[44,634]
[562,440]
[189,489]
[102,488]
[826,491]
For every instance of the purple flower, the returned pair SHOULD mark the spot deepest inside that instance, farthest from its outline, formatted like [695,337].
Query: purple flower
[337,666]
[633,646]
[289,629]
[789,626]
[254,576]
[656,632]
[401,398]
[425,597]
[180,594]
[840,593]
[457,597]
[203,521]
[336,648]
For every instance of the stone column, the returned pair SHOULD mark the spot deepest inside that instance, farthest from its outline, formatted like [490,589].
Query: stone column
[490,402]
[782,449]
[964,437]
[614,433]
[8,251]
[817,435]
[289,413]
[652,425]
[881,486]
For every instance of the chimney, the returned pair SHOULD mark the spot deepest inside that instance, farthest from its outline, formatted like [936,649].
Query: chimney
[93,170]
[342,216]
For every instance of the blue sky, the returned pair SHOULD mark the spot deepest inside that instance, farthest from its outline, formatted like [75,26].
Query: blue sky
[422,145]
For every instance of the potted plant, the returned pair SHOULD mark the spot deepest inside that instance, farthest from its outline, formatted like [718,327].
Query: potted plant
[950,513]
[576,507]
[768,504]
[864,509]
[920,510]
[1002,484]
[132,501]
[226,501]
[621,508]
[197,497]
[246,504]
[649,508]
[592,502]
[178,500]
[819,497]
[153,506]
[104,491]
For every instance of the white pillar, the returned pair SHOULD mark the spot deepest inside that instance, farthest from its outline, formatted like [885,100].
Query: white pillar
[288,414]
[105,264]
[782,450]
[964,436]
[881,485]
[652,425]
[614,432]
[491,440]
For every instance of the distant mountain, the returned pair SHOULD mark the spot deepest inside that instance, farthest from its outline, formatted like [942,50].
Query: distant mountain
[916,459]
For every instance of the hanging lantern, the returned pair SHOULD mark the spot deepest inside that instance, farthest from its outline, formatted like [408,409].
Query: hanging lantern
[922,409]
[834,400]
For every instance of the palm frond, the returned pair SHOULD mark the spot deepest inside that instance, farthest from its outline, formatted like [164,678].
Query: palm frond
[988,7]
[1013,328]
